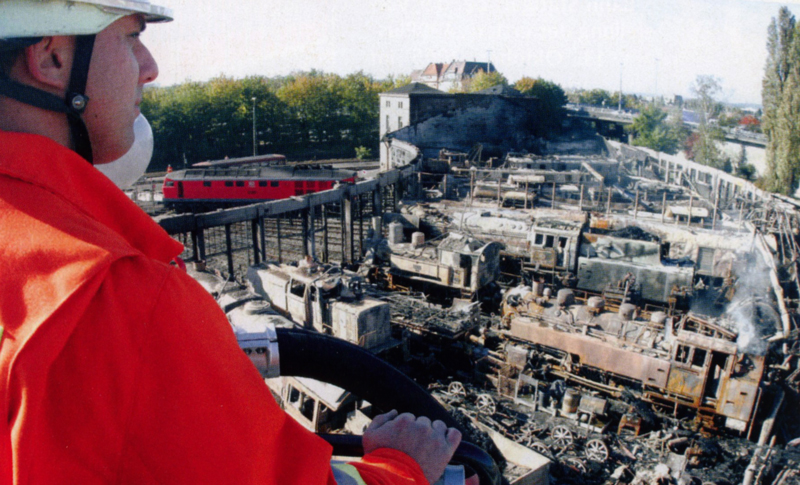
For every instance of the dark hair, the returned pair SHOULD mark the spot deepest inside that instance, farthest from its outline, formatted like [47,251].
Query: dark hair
[7,59]
[11,49]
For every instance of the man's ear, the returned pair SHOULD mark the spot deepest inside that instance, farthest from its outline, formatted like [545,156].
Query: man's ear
[49,61]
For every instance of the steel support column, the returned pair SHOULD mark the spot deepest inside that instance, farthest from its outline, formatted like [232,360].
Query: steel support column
[278,238]
[324,233]
[255,242]
[347,230]
[304,231]
[229,249]
[263,232]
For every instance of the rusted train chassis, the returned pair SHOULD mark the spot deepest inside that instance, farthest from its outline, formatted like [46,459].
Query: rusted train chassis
[704,378]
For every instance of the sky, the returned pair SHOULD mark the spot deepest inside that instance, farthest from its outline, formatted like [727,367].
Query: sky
[648,46]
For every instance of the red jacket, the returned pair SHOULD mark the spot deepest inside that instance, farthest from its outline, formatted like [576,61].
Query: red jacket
[116,367]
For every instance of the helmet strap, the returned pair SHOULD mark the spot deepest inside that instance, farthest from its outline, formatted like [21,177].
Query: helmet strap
[72,105]
[76,95]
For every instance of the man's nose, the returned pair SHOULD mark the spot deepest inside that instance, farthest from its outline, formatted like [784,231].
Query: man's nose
[148,68]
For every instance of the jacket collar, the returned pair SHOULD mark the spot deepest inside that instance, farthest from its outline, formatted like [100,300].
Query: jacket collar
[42,162]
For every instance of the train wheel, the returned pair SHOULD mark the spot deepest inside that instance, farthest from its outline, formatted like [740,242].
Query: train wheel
[576,464]
[456,389]
[596,450]
[527,433]
[486,404]
[542,449]
[562,436]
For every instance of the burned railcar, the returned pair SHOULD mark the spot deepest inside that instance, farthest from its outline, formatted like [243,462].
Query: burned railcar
[325,298]
[679,365]
[456,262]
[608,263]
[628,265]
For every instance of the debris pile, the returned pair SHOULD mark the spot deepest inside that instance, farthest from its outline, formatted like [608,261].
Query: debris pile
[420,316]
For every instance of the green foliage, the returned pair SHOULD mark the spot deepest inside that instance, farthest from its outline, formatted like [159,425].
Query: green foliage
[301,115]
[729,120]
[552,100]
[363,153]
[706,89]
[629,101]
[746,171]
[776,71]
[395,81]
[780,95]
[786,130]
[651,130]
[703,146]
[605,99]
[595,97]
[483,80]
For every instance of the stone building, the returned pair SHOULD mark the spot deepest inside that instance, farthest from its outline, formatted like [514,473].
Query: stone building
[431,120]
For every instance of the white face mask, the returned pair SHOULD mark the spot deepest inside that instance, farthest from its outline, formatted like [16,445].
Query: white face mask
[127,169]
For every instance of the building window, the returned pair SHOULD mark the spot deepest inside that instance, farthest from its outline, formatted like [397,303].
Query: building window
[400,104]
[387,123]
[399,122]
[388,104]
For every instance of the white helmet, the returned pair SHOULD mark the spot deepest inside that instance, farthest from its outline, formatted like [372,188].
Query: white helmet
[25,22]
[39,18]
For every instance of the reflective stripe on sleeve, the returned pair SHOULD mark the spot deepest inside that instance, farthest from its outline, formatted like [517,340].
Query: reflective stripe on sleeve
[346,474]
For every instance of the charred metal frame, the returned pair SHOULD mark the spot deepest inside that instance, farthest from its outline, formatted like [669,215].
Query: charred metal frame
[254,228]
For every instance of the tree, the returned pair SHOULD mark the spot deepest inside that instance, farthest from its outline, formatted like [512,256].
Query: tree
[704,148]
[359,104]
[596,97]
[780,37]
[300,115]
[395,81]
[743,169]
[651,130]
[552,100]
[786,127]
[483,80]
[750,122]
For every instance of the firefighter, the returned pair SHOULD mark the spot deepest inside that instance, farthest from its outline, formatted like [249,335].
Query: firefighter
[115,366]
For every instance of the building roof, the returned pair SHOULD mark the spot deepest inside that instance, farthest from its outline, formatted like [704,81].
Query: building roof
[414,88]
[469,68]
[455,71]
[434,69]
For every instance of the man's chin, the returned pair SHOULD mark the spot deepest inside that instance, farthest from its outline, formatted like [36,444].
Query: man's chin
[110,155]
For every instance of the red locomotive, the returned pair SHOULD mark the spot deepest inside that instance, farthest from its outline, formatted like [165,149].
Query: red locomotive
[200,189]
[260,160]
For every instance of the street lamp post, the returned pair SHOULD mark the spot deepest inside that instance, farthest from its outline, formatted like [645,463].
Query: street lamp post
[656,90]
[619,107]
[254,126]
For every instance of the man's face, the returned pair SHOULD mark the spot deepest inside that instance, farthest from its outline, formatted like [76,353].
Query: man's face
[120,67]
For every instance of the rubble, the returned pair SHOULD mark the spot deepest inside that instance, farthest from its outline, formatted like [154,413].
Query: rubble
[649,332]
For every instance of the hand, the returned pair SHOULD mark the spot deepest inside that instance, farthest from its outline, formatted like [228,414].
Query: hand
[430,444]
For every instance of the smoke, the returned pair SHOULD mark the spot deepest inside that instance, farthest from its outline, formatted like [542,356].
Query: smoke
[753,315]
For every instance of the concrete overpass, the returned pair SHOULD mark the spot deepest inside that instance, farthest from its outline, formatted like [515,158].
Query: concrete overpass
[611,122]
